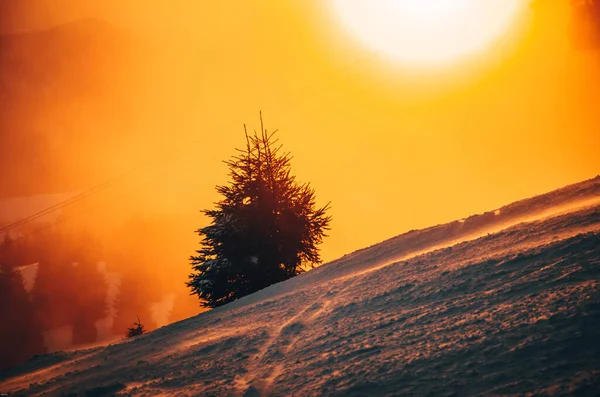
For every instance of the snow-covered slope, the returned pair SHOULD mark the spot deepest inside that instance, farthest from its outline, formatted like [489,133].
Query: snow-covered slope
[483,306]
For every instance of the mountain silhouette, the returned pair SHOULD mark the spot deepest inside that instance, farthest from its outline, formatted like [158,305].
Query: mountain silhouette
[54,85]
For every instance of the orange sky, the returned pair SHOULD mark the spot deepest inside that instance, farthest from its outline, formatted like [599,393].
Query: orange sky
[391,149]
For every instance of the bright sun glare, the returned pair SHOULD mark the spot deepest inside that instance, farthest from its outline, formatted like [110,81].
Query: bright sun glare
[427,33]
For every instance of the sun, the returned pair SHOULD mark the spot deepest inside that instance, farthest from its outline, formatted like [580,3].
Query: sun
[427,33]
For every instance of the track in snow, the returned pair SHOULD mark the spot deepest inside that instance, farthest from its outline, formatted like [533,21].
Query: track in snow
[508,313]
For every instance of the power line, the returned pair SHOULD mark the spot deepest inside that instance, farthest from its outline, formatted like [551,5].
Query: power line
[68,218]
[107,184]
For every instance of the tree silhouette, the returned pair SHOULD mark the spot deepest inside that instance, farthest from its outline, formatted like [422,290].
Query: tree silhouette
[69,289]
[136,294]
[137,329]
[91,301]
[266,228]
[20,332]
[54,291]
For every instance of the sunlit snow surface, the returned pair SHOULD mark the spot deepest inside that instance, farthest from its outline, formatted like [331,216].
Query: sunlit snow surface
[477,307]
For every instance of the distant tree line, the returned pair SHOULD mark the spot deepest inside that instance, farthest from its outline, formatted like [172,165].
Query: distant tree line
[68,290]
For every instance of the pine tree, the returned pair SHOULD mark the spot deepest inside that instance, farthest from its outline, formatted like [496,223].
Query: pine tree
[266,228]
[54,291]
[69,289]
[91,304]
[91,296]
[135,297]
[137,329]
[20,331]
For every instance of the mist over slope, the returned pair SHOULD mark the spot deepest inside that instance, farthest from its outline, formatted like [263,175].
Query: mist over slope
[504,303]
[60,90]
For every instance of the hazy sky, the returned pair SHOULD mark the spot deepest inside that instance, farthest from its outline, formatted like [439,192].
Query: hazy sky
[391,149]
